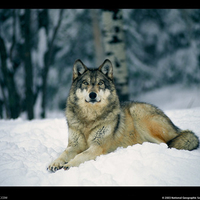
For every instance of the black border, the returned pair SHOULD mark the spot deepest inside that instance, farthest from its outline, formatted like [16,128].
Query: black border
[67,192]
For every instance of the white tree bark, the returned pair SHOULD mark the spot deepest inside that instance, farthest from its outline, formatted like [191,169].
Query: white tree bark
[98,43]
[114,47]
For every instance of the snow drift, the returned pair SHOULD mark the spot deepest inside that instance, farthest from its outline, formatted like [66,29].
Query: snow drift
[27,147]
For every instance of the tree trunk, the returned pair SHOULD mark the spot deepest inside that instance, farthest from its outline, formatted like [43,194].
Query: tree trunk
[29,101]
[4,72]
[114,46]
[47,63]
[11,102]
[98,43]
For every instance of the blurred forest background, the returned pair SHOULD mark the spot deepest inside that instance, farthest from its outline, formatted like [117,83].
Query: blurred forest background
[38,48]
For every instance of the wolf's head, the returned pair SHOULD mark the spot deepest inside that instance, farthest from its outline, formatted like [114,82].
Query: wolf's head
[93,85]
[92,90]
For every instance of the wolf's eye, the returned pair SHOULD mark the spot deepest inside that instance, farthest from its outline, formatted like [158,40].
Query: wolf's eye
[101,83]
[85,83]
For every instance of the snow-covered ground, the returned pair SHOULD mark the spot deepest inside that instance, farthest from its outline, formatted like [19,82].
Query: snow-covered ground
[27,147]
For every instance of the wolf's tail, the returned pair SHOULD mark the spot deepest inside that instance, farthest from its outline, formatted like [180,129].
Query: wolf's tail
[185,140]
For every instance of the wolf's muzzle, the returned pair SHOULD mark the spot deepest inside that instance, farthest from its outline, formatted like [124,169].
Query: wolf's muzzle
[93,98]
[92,95]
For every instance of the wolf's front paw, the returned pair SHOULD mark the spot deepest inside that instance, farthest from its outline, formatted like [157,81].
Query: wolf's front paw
[56,165]
[67,166]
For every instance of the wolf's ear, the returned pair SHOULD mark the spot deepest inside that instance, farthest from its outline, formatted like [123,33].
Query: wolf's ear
[107,68]
[78,69]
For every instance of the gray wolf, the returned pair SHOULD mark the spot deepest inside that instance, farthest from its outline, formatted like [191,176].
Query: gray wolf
[99,124]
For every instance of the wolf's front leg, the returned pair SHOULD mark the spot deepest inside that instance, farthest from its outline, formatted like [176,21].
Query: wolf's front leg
[65,157]
[76,144]
[89,154]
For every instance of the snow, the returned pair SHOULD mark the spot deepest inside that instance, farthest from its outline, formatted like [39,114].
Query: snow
[42,47]
[27,147]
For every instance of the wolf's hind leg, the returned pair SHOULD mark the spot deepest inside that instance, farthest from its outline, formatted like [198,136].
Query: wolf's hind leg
[185,140]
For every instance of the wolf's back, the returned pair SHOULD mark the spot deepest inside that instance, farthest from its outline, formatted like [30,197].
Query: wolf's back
[185,140]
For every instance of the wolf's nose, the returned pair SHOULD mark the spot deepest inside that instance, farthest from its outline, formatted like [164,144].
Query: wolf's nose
[92,95]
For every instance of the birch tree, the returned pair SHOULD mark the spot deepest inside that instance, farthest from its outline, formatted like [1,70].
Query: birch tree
[114,46]
[98,44]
